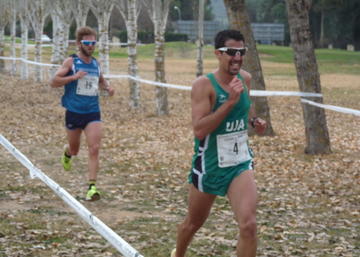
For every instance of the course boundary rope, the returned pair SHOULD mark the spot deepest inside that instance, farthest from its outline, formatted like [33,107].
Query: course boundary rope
[332,107]
[188,88]
[181,87]
[120,244]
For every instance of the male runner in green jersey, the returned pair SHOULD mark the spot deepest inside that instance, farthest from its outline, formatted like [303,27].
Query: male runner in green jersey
[222,162]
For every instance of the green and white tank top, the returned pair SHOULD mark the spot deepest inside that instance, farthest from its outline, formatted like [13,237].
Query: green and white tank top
[227,146]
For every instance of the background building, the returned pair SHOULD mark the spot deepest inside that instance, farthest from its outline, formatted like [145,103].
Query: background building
[264,33]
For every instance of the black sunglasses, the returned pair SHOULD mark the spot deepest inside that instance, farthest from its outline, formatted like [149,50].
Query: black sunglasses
[233,51]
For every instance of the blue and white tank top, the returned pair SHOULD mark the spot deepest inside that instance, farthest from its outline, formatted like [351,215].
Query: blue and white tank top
[82,95]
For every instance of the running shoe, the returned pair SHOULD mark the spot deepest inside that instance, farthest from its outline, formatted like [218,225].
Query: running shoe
[93,194]
[66,161]
[173,253]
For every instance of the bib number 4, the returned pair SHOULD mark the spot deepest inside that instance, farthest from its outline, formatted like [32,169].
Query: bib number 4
[232,149]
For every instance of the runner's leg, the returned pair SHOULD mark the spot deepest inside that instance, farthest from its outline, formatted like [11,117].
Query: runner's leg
[242,195]
[198,210]
[73,136]
[93,133]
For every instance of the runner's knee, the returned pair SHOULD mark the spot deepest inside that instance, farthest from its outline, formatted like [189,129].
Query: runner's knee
[248,228]
[94,149]
[193,224]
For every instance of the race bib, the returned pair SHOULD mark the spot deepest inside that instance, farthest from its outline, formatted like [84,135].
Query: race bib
[232,149]
[88,85]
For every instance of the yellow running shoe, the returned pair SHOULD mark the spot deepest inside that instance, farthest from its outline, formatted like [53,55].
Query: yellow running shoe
[93,194]
[173,253]
[66,161]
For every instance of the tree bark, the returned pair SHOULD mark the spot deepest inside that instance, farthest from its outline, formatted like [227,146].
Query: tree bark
[24,48]
[2,47]
[62,18]
[24,25]
[13,38]
[102,10]
[159,10]
[80,10]
[36,13]
[161,92]
[200,41]
[129,12]
[239,20]
[4,18]
[322,34]
[55,55]
[316,132]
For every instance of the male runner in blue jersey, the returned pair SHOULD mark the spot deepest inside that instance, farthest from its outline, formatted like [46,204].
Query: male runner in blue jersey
[81,77]
[222,163]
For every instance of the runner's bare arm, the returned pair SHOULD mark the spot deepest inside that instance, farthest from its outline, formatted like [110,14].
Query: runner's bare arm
[258,123]
[204,121]
[247,79]
[104,84]
[60,78]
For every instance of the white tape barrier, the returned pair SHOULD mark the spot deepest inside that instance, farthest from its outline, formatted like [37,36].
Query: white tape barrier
[155,83]
[120,244]
[160,84]
[332,107]
[30,62]
[252,92]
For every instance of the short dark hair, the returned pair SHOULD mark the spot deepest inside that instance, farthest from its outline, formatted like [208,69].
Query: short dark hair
[224,35]
[84,31]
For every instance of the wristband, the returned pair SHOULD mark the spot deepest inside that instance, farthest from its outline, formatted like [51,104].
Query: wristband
[252,121]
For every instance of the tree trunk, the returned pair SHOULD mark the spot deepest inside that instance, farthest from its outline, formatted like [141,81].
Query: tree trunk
[38,70]
[131,25]
[161,92]
[200,41]
[316,132]
[13,39]
[36,14]
[2,47]
[24,48]
[66,38]
[62,40]
[322,36]
[239,20]
[4,15]
[62,18]
[160,13]
[55,55]
[102,10]
[80,11]
[104,45]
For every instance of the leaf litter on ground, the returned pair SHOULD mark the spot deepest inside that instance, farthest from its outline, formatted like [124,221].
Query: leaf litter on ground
[307,206]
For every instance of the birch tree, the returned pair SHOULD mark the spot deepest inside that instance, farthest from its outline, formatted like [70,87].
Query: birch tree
[200,40]
[102,10]
[13,36]
[239,19]
[159,11]
[56,51]
[62,18]
[80,10]
[37,14]
[316,132]
[24,24]
[129,10]
[4,19]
